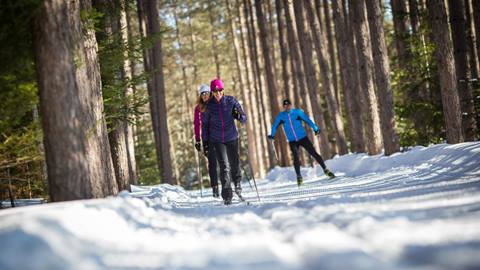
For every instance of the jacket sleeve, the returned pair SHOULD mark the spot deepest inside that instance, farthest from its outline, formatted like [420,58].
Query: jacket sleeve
[309,121]
[243,116]
[275,125]
[205,125]
[197,115]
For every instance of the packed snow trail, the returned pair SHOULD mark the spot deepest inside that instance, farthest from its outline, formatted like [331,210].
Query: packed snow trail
[414,210]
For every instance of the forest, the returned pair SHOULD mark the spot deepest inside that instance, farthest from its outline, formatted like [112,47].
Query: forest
[99,95]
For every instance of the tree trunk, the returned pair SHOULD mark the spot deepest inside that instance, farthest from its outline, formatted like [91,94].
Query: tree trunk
[270,156]
[147,65]
[247,106]
[41,147]
[286,157]
[183,66]
[400,24]
[312,83]
[266,111]
[348,71]
[358,96]
[158,93]
[459,37]
[296,60]
[283,47]
[446,68]
[130,67]
[193,40]
[413,12]
[331,50]
[252,86]
[370,107]
[300,95]
[256,80]
[214,38]
[114,35]
[117,138]
[476,20]
[272,36]
[472,53]
[327,83]
[271,80]
[382,78]
[75,136]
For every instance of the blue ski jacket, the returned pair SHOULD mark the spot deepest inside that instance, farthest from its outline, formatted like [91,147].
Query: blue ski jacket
[292,124]
[218,124]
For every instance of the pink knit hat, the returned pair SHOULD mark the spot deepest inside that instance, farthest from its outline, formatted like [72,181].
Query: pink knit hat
[216,84]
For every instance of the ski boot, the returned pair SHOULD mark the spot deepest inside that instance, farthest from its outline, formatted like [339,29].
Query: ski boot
[328,173]
[227,201]
[227,195]
[215,192]
[238,191]
[299,180]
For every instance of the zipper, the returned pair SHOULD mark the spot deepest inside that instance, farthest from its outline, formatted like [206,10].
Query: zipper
[291,126]
[200,122]
[221,119]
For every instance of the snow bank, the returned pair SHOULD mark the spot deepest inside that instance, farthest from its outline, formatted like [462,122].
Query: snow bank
[463,157]
[413,210]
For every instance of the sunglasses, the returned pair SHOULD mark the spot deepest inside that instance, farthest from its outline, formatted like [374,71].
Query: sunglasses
[217,90]
[205,94]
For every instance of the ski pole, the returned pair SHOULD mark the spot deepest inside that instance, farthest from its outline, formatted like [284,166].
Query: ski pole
[199,173]
[274,150]
[246,175]
[253,177]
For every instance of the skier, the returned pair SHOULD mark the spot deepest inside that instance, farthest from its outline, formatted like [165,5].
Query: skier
[220,135]
[291,119]
[204,96]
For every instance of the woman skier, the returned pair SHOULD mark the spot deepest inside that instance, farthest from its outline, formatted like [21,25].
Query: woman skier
[219,132]
[204,96]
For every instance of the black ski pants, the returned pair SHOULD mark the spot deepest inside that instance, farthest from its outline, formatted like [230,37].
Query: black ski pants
[212,166]
[229,161]
[307,144]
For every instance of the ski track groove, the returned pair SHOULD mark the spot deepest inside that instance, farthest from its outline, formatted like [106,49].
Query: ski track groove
[357,188]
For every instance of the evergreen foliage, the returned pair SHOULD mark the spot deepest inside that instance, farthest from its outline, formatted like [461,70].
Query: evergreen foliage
[21,157]
[418,105]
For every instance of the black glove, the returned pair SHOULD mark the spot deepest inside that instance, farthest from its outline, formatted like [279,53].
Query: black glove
[270,137]
[235,113]
[317,132]
[198,146]
[205,148]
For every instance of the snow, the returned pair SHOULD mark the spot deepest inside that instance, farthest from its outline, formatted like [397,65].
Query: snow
[414,210]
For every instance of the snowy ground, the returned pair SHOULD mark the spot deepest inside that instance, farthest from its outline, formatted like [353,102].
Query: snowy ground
[414,210]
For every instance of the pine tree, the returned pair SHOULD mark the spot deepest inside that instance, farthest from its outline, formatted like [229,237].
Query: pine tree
[459,37]
[76,144]
[382,78]
[348,73]
[365,61]
[446,68]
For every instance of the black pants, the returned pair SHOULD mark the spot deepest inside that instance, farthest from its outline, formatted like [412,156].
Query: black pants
[307,144]
[229,161]
[212,166]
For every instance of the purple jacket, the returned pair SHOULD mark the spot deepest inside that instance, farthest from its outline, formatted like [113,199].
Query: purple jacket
[218,124]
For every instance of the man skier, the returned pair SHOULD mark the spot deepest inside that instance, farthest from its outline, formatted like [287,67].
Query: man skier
[291,119]
[219,131]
